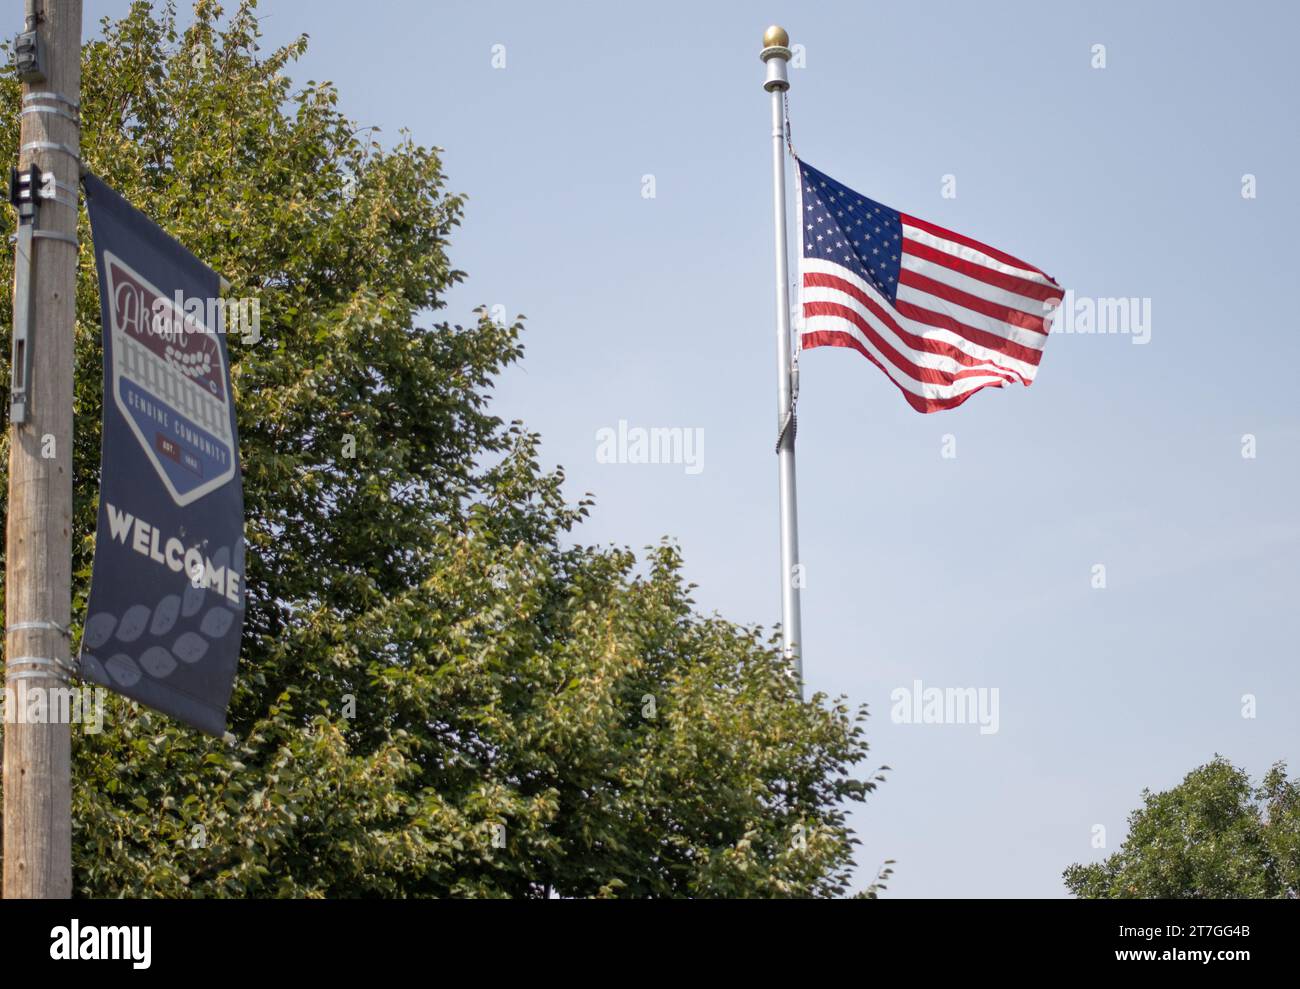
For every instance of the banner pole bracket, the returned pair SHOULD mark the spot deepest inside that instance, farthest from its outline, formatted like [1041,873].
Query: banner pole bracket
[39,626]
[45,668]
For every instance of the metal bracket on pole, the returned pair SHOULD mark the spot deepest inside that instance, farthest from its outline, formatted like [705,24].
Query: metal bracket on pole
[47,667]
[39,627]
[51,235]
[66,149]
[56,111]
[53,98]
[25,192]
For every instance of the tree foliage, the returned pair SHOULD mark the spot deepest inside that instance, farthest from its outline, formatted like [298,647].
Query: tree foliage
[441,692]
[1214,836]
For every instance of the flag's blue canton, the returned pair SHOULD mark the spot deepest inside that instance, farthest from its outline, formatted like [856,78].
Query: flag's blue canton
[841,226]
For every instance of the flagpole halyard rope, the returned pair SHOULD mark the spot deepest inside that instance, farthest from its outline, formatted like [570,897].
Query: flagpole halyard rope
[789,132]
[791,426]
[791,423]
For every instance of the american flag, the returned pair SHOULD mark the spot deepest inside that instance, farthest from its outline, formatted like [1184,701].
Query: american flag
[941,314]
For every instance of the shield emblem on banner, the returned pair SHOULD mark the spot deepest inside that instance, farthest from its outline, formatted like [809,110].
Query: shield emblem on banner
[169,382]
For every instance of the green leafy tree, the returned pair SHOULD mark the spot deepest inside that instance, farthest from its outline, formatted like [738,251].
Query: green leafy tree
[440,691]
[1215,835]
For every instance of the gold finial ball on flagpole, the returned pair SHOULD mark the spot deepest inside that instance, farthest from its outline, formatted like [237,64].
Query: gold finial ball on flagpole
[775,37]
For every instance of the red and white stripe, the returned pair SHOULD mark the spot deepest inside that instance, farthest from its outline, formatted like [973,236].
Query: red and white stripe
[966,317]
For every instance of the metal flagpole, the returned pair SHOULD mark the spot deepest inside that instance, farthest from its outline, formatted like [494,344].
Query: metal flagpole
[776,55]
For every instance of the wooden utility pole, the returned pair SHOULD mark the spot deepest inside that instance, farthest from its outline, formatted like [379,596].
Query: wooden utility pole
[38,550]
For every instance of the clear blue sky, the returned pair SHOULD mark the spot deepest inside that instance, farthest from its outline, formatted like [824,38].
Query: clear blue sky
[974,571]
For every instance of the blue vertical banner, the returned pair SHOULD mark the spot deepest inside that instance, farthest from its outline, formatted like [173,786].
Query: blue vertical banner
[166,606]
